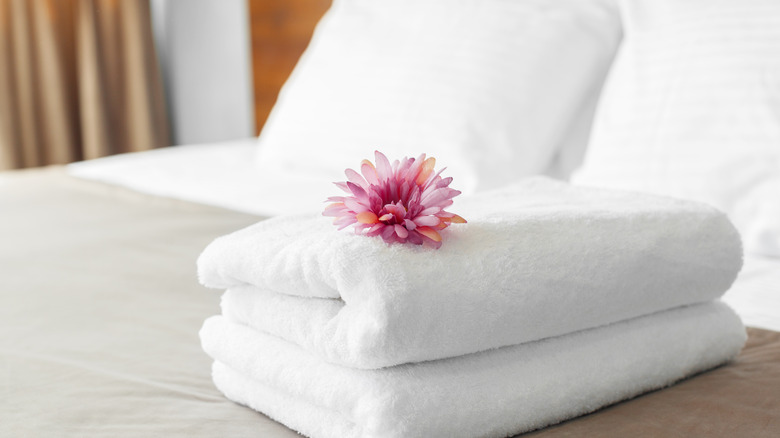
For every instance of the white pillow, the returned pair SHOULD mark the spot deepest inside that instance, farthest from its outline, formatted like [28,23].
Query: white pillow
[691,109]
[491,88]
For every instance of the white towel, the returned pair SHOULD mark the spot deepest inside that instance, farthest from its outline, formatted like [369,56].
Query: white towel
[536,260]
[495,393]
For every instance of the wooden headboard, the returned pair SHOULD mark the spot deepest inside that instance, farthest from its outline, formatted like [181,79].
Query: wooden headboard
[281,30]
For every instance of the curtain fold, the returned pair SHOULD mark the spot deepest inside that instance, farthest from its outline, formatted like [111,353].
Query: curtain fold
[79,79]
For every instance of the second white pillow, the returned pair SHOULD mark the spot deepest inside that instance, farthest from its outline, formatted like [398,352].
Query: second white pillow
[691,109]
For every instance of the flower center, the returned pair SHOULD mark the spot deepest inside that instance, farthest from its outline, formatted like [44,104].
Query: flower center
[393,213]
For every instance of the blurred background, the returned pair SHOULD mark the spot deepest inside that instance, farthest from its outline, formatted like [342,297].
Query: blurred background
[82,79]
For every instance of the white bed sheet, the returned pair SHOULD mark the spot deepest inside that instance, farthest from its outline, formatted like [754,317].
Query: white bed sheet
[225,175]
[755,296]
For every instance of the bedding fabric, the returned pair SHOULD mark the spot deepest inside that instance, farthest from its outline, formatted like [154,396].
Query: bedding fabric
[755,294]
[221,174]
[485,86]
[690,109]
[537,259]
[99,315]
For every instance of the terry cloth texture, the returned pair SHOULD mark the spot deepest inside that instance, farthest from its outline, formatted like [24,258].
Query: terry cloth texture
[537,259]
[495,393]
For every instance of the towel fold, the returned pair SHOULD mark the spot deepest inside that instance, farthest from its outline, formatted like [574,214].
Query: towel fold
[536,260]
[494,393]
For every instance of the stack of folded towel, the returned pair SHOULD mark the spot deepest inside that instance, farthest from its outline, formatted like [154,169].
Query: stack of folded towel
[552,302]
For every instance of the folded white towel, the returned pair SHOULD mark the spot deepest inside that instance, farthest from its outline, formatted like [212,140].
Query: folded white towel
[536,260]
[495,393]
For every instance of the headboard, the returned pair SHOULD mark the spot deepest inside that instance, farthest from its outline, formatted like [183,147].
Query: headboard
[281,30]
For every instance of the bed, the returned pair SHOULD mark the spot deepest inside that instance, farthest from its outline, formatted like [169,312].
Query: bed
[100,305]
[101,311]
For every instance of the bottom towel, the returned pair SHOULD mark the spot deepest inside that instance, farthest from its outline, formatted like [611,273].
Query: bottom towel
[495,393]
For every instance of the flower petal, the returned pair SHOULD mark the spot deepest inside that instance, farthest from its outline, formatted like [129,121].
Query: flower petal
[344,221]
[438,181]
[396,210]
[414,169]
[355,178]
[403,194]
[334,210]
[375,201]
[444,182]
[429,233]
[432,243]
[387,233]
[343,186]
[414,238]
[403,169]
[369,172]
[429,221]
[437,196]
[376,229]
[359,193]
[429,211]
[425,171]
[367,217]
[383,168]
[401,231]
[355,206]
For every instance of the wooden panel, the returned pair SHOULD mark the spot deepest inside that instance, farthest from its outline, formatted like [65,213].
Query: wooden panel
[281,30]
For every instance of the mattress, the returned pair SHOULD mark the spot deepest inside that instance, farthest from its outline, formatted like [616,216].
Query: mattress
[100,309]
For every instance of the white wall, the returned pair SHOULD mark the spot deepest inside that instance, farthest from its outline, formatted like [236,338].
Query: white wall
[204,50]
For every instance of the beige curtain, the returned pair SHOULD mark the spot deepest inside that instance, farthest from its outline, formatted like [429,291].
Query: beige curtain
[79,79]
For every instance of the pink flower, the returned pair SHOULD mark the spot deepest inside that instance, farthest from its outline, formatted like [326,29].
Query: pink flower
[402,202]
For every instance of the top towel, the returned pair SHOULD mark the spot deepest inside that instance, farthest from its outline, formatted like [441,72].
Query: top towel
[537,259]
